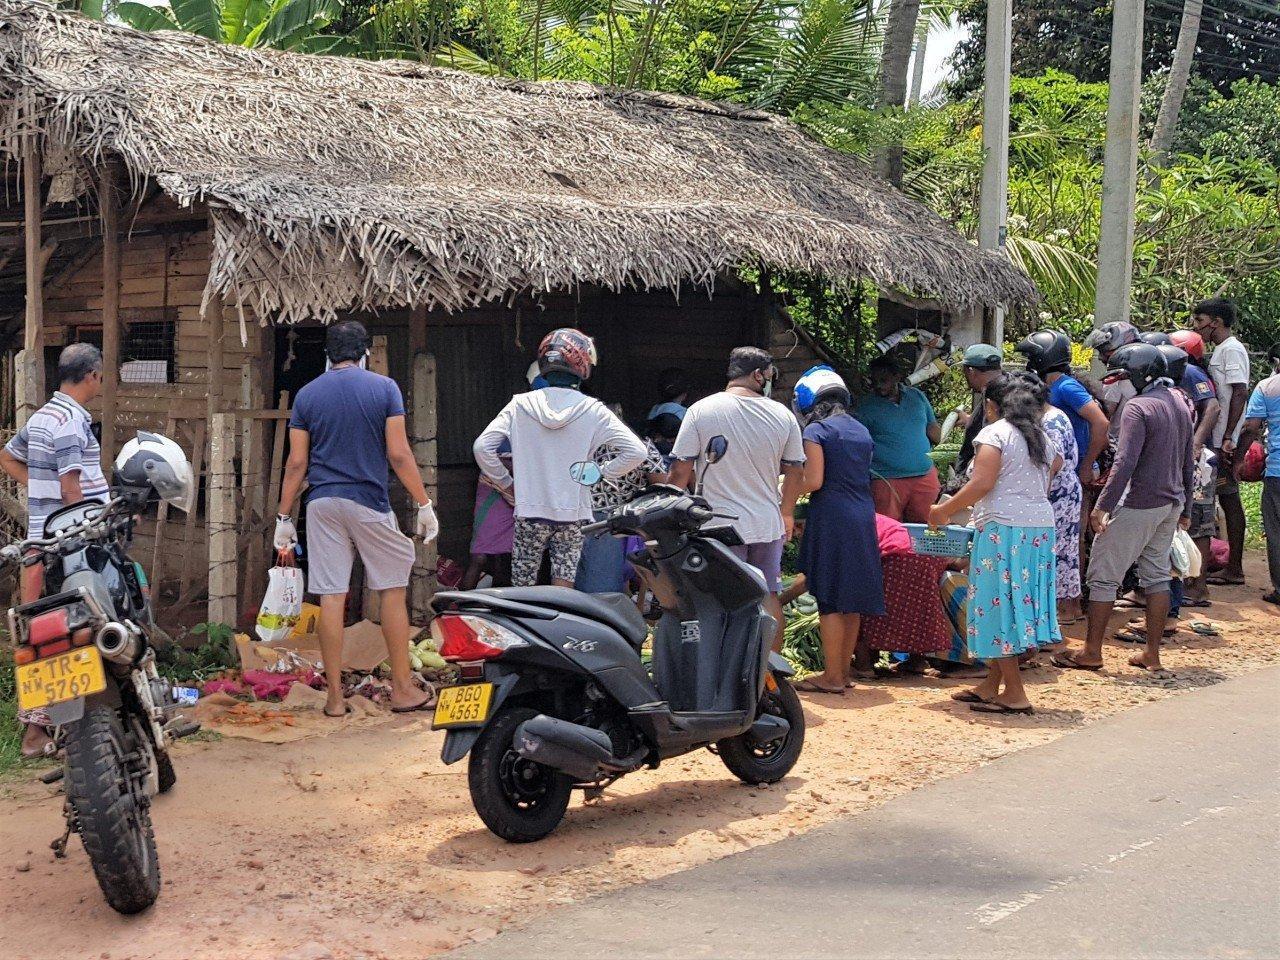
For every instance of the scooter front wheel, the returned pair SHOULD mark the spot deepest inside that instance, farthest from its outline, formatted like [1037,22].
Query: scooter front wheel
[519,800]
[754,762]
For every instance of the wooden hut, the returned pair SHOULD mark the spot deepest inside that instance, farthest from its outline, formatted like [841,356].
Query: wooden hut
[202,210]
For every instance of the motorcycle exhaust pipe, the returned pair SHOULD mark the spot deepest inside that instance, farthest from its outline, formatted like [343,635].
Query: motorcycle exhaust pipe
[582,752]
[118,643]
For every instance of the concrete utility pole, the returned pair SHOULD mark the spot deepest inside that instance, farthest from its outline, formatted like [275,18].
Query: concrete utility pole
[1120,165]
[994,210]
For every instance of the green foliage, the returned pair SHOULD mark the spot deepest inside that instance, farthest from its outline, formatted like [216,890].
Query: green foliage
[284,24]
[10,732]
[216,652]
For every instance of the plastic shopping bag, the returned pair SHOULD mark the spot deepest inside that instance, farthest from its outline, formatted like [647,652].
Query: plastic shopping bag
[282,606]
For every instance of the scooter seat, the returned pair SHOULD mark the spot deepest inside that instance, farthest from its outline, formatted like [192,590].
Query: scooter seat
[616,610]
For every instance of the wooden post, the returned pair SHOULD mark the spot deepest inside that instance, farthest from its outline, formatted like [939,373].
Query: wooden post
[220,520]
[422,581]
[30,365]
[108,205]
[220,503]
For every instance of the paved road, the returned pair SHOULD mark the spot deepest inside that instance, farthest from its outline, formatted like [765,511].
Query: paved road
[1153,834]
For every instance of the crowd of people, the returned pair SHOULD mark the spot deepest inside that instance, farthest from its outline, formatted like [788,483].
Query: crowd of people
[1074,492]
[1074,489]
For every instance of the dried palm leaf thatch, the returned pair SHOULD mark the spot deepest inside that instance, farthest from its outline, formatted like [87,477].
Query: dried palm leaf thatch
[338,183]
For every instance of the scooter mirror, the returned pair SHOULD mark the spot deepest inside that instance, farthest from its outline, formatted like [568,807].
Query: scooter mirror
[717,447]
[586,473]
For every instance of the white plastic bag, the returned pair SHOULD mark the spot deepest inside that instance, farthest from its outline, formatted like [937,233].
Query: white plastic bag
[1185,555]
[282,606]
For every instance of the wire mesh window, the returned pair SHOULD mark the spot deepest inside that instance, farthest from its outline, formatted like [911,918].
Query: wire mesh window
[147,350]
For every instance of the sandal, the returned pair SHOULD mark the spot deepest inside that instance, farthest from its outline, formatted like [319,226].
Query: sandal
[1204,628]
[424,705]
[808,686]
[968,696]
[1272,597]
[1221,581]
[992,706]
[1067,662]
[1196,604]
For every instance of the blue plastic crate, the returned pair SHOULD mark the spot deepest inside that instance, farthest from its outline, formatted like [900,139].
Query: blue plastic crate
[948,541]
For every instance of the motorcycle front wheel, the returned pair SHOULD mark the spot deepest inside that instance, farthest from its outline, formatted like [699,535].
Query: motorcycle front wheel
[754,762]
[519,800]
[112,813]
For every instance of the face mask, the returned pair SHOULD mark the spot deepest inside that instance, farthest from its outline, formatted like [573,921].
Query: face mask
[767,390]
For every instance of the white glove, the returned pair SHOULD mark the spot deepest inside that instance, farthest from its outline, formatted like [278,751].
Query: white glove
[286,533]
[426,526]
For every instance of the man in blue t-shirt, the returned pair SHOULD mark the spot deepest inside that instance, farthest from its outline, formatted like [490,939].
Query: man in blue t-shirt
[904,427]
[1263,413]
[346,434]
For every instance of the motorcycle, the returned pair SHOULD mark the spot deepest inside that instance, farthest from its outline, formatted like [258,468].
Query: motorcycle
[84,657]
[555,692]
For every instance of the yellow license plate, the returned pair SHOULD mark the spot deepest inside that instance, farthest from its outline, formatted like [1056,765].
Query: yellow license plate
[463,706]
[57,679]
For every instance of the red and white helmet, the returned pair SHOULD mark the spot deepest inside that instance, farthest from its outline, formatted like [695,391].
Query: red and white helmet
[1190,342]
[567,350]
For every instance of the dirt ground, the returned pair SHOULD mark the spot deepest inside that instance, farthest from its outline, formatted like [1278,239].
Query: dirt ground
[363,845]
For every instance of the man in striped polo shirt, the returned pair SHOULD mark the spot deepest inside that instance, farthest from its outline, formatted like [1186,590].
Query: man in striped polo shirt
[58,459]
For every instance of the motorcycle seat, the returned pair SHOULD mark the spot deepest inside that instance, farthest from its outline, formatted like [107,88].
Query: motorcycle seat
[616,610]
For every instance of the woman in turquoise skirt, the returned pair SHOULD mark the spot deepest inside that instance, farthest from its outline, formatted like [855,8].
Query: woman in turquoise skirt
[1012,604]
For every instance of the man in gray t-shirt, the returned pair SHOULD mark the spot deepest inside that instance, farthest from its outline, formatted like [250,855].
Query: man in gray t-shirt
[764,441]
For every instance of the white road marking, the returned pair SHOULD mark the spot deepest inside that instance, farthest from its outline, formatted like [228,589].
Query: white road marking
[995,911]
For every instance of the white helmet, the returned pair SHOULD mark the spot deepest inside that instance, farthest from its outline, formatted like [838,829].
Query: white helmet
[150,459]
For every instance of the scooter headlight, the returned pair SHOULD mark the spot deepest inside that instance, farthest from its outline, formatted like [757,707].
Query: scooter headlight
[462,637]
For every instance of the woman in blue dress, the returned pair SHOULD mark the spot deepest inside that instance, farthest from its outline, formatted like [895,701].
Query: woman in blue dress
[840,553]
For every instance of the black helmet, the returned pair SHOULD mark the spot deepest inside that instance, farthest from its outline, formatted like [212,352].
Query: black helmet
[1110,337]
[1046,351]
[1176,358]
[1141,363]
[1156,338]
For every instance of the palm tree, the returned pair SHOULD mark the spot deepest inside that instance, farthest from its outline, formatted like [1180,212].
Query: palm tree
[895,56]
[1179,73]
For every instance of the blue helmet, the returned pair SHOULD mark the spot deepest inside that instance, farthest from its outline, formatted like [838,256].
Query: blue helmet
[815,384]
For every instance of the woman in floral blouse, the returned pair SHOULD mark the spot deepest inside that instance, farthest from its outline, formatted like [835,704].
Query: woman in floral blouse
[1012,595]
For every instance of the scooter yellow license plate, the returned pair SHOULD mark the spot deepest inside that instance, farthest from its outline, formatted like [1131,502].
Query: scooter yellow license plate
[466,705]
[67,676]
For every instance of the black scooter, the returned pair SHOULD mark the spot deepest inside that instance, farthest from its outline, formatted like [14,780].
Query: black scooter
[555,690]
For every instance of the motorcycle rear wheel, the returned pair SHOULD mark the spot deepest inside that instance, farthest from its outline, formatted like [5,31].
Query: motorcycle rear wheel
[519,800]
[768,763]
[112,814]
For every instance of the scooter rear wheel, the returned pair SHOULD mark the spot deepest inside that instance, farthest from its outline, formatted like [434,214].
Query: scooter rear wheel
[768,762]
[519,800]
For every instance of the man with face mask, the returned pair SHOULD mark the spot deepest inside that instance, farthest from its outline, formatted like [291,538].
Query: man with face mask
[764,441]
[904,427]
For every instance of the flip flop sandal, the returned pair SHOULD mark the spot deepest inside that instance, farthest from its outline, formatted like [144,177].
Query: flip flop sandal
[1197,604]
[1131,636]
[426,704]
[808,686]
[1204,629]
[1154,671]
[1223,582]
[991,706]
[1070,663]
[968,696]
[1272,597]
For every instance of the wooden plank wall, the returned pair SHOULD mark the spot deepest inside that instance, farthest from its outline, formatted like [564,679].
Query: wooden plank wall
[162,277]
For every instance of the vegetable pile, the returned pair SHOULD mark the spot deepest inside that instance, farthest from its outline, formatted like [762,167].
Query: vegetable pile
[801,644]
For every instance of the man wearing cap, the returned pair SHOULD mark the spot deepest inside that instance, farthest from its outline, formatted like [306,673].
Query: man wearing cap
[982,364]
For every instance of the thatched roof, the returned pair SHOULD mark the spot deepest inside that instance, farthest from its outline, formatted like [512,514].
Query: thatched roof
[336,183]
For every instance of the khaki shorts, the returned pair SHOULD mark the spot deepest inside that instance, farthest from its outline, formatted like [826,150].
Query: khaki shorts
[338,529]
[1133,536]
